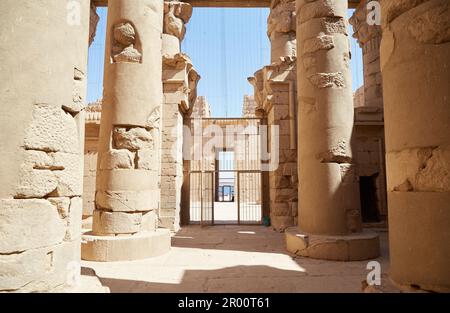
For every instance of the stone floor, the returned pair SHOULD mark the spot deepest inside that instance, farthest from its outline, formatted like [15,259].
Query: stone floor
[234,259]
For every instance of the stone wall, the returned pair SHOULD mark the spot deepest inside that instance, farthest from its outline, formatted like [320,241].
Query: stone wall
[201,108]
[276,96]
[369,121]
[249,106]
[369,155]
[92,128]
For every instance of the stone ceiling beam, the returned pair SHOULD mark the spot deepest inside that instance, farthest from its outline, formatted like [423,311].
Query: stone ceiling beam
[228,3]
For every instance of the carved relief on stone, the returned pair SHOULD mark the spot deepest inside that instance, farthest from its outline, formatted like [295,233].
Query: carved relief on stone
[249,106]
[282,71]
[93,22]
[153,121]
[362,31]
[79,85]
[201,108]
[282,18]
[178,61]
[125,44]
[193,79]
[176,15]
[182,62]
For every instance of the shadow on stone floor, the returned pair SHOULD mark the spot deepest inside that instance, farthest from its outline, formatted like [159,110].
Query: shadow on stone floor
[235,259]
[249,238]
[241,279]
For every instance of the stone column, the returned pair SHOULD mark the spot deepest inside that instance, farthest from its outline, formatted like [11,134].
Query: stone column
[329,214]
[125,219]
[415,62]
[180,82]
[42,91]
[180,86]
[281,29]
[369,38]
[176,15]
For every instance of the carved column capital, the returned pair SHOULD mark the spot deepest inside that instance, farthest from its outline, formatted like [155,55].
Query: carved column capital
[281,27]
[363,32]
[176,15]
[93,23]
[180,79]
[282,18]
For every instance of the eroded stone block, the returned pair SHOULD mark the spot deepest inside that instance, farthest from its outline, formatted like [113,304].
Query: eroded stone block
[52,130]
[133,139]
[29,224]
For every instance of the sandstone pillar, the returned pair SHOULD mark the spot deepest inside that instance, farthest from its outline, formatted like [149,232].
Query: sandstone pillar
[275,94]
[42,91]
[179,86]
[125,219]
[176,15]
[180,82]
[329,215]
[369,38]
[281,29]
[415,61]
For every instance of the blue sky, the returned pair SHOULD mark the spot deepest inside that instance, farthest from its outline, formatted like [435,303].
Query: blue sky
[226,46]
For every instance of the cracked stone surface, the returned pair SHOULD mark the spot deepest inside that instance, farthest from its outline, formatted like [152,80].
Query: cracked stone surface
[237,259]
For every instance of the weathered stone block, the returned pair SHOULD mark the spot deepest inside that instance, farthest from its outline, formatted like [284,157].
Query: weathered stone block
[146,160]
[70,182]
[117,159]
[116,222]
[52,130]
[29,224]
[132,139]
[41,269]
[127,201]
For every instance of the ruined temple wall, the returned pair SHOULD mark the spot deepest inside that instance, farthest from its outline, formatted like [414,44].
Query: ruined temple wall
[276,96]
[368,137]
[370,162]
[89,176]
[283,181]
[171,163]
[92,129]
[42,90]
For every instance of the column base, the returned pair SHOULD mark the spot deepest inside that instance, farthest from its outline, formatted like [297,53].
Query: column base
[125,248]
[89,283]
[353,247]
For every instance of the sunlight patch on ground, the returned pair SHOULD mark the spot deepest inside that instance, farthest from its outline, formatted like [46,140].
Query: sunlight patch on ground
[170,268]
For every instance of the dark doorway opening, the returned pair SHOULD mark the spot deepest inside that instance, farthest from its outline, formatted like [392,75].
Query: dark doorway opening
[369,199]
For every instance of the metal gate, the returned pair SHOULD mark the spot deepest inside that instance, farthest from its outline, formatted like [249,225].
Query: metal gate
[208,179]
[201,198]
[249,197]
[247,202]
